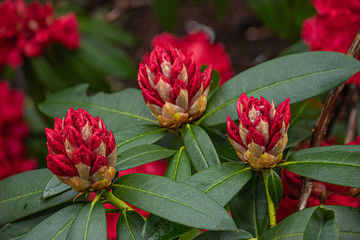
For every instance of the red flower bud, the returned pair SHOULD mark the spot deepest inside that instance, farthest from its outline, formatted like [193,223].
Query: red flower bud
[82,153]
[261,136]
[173,87]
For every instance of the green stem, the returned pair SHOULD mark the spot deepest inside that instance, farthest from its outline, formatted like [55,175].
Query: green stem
[110,198]
[271,206]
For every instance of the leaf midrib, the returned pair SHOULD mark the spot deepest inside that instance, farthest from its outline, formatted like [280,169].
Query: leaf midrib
[106,109]
[198,146]
[167,198]
[140,136]
[142,153]
[260,89]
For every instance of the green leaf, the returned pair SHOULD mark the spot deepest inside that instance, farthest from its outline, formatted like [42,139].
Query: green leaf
[157,228]
[294,226]
[105,31]
[21,193]
[199,147]
[54,187]
[222,235]
[129,226]
[109,59]
[138,135]
[322,225]
[140,155]
[225,150]
[338,165]
[90,223]
[310,73]
[118,110]
[18,229]
[57,225]
[249,207]
[275,187]
[170,200]
[221,182]
[299,131]
[166,11]
[179,167]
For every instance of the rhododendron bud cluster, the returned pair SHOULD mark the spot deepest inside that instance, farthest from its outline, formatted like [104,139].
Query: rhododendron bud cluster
[334,27]
[82,153]
[261,136]
[27,30]
[205,52]
[173,87]
[13,130]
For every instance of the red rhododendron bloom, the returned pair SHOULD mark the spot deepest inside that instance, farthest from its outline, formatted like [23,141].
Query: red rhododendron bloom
[27,30]
[261,136]
[13,130]
[82,153]
[173,87]
[334,27]
[205,52]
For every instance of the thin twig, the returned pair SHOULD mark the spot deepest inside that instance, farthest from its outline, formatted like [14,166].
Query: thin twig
[351,128]
[323,124]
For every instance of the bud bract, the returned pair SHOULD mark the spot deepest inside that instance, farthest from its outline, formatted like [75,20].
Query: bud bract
[173,87]
[82,153]
[261,136]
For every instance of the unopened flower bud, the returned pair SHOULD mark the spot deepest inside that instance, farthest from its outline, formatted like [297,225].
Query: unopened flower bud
[173,87]
[82,153]
[261,136]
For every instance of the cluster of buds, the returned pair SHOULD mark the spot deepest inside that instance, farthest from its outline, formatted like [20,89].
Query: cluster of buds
[261,136]
[173,87]
[27,30]
[82,153]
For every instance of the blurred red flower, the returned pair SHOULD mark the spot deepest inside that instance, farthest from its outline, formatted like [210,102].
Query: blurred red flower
[205,52]
[13,130]
[322,193]
[27,30]
[333,28]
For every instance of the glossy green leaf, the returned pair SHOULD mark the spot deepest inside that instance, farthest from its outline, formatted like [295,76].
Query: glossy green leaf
[222,235]
[54,187]
[294,226]
[322,225]
[90,223]
[129,226]
[275,187]
[334,164]
[19,228]
[118,110]
[249,207]
[21,193]
[140,155]
[157,228]
[221,182]
[179,167]
[310,73]
[199,147]
[56,226]
[170,200]
[138,135]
